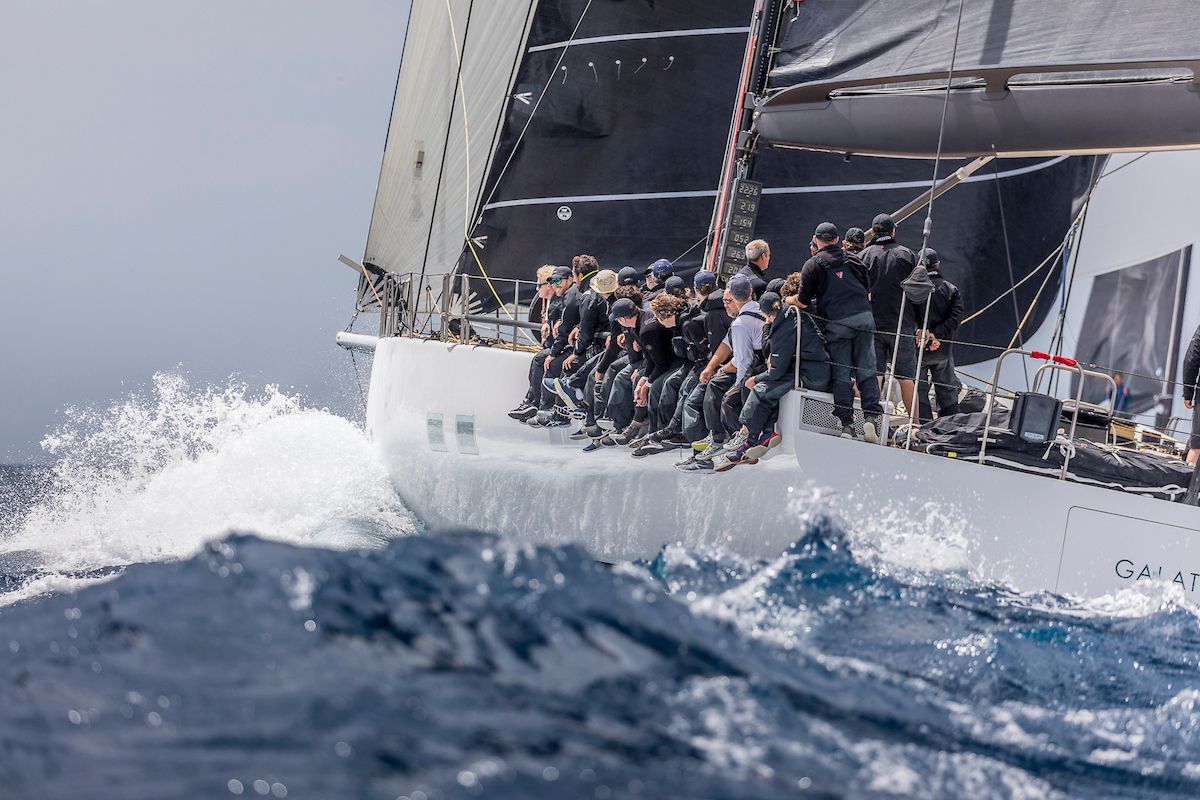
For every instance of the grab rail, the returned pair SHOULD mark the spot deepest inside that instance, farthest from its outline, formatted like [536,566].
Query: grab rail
[1056,362]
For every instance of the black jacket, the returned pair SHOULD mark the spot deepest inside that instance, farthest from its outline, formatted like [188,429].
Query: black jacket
[945,308]
[593,322]
[757,280]
[695,337]
[716,320]
[656,345]
[832,286]
[554,309]
[570,320]
[888,263]
[1191,367]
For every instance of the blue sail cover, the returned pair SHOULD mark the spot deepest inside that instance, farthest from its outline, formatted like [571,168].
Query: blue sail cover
[623,160]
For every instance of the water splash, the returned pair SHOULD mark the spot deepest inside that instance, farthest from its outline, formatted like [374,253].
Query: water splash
[160,473]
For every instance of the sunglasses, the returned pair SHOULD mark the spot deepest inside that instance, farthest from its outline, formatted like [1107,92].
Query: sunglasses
[726,300]
[555,281]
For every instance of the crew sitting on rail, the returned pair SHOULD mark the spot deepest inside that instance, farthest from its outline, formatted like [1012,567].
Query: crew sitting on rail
[829,281]
[660,362]
[562,351]
[553,283]
[815,370]
[691,345]
[758,258]
[937,362]
[715,319]
[579,389]
[656,276]
[619,408]
[613,361]
[727,370]
[758,416]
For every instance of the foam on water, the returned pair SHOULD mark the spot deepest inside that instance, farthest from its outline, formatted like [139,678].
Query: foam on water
[158,474]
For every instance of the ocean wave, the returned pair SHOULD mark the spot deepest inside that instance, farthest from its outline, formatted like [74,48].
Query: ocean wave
[156,475]
[464,664]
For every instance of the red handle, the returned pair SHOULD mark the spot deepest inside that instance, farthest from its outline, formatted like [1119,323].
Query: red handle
[1040,354]
[1068,362]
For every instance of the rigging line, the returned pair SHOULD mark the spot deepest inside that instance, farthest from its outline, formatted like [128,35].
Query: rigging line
[1059,332]
[553,73]
[942,128]
[1033,303]
[1012,278]
[1049,259]
[1115,170]
[701,241]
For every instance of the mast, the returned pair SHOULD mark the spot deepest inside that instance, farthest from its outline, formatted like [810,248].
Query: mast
[738,163]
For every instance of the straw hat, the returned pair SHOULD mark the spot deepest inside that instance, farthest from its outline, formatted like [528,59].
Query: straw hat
[605,281]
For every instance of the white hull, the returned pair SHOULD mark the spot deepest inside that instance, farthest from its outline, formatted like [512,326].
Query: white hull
[489,472]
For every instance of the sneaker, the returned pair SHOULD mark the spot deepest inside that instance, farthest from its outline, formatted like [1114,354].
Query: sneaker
[579,435]
[649,448]
[732,457]
[605,424]
[565,393]
[763,444]
[639,440]
[593,431]
[709,453]
[847,431]
[693,464]
[870,430]
[629,434]
[550,419]
[593,445]
[524,412]
[677,441]
[736,441]
[703,443]
[663,435]
[607,441]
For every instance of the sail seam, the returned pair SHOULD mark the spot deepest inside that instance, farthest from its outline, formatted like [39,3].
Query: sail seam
[629,37]
[856,187]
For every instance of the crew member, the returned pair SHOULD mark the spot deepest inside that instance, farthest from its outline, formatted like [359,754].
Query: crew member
[937,364]
[888,263]
[758,258]
[829,281]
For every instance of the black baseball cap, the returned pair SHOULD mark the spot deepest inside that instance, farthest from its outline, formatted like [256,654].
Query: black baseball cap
[770,303]
[622,309]
[561,273]
[628,276]
[856,235]
[929,257]
[883,223]
[826,232]
[675,284]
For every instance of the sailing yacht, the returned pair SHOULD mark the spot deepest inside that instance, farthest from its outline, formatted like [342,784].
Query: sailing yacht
[525,132]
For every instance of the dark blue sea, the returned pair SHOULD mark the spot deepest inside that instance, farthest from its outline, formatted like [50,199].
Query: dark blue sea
[213,593]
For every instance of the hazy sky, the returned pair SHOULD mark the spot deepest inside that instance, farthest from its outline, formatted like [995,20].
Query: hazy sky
[177,180]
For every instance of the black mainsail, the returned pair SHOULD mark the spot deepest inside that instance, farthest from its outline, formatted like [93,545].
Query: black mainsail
[600,126]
